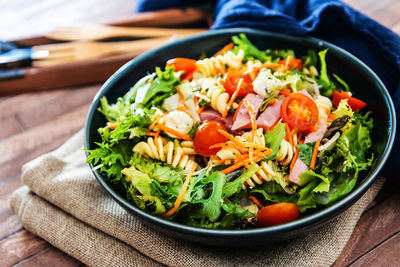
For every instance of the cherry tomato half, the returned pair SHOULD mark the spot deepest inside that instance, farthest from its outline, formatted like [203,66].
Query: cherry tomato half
[186,64]
[300,111]
[231,80]
[207,135]
[277,214]
[354,103]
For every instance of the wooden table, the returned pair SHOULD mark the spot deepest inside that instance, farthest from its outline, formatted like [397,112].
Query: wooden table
[34,123]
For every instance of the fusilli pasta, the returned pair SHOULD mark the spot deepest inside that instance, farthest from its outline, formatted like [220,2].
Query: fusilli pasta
[169,153]
[213,66]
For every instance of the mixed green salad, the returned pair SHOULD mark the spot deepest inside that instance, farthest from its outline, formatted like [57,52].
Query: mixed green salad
[245,138]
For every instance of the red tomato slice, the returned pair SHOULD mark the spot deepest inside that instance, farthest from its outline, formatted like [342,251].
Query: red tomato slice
[354,103]
[207,135]
[186,64]
[231,80]
[300,111]
[277,214]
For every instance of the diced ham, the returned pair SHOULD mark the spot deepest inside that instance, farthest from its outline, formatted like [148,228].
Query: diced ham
[213,115]
[322,127]
[242,120]
[298,168]
[270,115]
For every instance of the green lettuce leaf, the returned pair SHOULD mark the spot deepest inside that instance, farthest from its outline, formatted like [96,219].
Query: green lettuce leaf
[273,139]
[250,51]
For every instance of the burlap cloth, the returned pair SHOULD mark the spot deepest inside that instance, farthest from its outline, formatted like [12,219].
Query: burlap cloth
[64,204]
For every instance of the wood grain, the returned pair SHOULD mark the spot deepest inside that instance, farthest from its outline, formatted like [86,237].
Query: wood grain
[49,257]
[20,246]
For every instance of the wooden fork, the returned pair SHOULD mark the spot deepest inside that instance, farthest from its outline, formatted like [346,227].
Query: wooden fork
[98,32]
[76,51]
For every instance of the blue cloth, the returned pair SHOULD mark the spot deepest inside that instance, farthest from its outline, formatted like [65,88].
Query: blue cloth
[330,20]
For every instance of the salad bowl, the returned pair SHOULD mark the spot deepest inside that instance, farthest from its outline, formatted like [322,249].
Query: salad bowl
[360,78]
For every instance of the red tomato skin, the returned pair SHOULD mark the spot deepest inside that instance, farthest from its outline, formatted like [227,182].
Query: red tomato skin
[231,80]
[296,121]
[355,103]
[186,64]
[277,214]
[207,135]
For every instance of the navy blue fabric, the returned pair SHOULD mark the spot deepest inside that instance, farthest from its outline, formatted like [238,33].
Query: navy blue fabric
[330,20]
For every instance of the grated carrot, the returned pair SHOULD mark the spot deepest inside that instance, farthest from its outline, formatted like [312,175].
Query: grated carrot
[285,92]
[289,134]
[314,155]
[228,200]
[154,134]
[256,201]
[174,132]
[242,163]
[224,49]
[200,109]
[181,193]
[273,101]
[271,65]
[111,125]
[233,98]
[288,62]
[294,158]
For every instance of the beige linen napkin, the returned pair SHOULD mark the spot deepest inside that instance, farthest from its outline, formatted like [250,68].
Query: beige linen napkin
[68,208]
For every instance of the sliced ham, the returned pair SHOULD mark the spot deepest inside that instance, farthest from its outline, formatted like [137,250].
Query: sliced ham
[213,115]
[322,127]
[270,115]
[298,168]
[242,120]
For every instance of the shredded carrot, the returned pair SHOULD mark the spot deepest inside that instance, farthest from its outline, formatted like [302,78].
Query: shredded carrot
[181,98]
[273,101]
[218,145]
[174,132]
[228,162]
[288,62]
[245,162]
[294,159]
[251,113]
[181,193]
[271,65]
[314,155]
[111,125]
[233,98]
[256,201]
[224,50]
[331,117]
[228,200]
[285,92]
[236,166]
[289,134]
[200,109]
[154,134]
[273,125]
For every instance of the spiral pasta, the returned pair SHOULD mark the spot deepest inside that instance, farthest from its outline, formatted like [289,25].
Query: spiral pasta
[285,153]
[324,105]
[169,153]
[216,93]
[155,118]
[265,173]
[213,66]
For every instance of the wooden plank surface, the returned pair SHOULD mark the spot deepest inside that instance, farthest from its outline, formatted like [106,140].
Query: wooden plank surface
[34,123]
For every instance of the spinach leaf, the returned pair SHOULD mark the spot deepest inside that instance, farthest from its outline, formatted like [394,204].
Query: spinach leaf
[305,152]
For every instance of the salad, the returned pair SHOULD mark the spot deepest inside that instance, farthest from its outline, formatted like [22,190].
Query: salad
[244,138]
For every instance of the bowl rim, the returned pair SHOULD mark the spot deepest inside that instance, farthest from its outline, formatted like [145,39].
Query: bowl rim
[311,219]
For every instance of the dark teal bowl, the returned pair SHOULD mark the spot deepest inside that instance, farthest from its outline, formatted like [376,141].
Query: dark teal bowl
[360,78]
